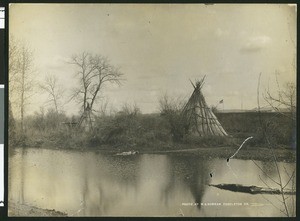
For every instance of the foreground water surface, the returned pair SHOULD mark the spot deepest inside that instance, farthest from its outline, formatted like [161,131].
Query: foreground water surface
[93,184]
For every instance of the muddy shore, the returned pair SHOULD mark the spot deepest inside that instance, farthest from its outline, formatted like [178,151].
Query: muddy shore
[283,154]
[247,153]
[17,209]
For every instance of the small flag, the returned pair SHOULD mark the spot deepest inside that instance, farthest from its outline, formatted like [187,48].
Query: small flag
[221,101]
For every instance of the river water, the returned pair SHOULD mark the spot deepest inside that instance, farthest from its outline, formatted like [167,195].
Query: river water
[93,184]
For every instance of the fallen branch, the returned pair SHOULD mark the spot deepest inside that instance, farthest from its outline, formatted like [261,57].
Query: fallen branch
[239,148]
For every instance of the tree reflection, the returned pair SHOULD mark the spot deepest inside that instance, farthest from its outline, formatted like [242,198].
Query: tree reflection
[192,172]
[103,176]
[89,184]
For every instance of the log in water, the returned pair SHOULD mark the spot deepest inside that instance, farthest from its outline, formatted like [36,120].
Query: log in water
[251,189]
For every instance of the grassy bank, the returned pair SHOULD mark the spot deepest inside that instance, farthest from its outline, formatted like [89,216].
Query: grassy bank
[152,133]
[247,153]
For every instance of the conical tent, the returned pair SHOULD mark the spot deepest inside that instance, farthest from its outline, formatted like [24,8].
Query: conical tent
[198,117]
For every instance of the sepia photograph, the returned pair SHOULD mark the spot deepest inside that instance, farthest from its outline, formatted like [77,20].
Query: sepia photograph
[152,110]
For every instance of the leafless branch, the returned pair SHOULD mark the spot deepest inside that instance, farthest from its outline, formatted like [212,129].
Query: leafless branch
[94,71]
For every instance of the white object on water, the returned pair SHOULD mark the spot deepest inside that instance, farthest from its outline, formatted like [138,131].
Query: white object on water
[132,152]
[240,147]
[235,154]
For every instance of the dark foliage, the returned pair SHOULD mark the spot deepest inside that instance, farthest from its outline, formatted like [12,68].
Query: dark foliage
[129,129]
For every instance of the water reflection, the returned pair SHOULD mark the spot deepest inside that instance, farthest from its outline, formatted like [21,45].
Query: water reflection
[193,173]
[89,184]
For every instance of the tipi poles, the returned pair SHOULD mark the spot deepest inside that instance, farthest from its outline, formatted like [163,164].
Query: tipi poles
[199,116]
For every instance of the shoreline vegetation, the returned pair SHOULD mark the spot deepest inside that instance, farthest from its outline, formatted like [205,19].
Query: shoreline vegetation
[129,130]
[162,133]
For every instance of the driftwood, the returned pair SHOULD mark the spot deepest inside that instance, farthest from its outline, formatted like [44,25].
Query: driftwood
[251,189]
[132,152]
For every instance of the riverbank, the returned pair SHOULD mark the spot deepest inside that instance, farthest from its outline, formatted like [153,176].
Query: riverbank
[17,209]
[246,153]
[283,154]
[154,132]
[251,153]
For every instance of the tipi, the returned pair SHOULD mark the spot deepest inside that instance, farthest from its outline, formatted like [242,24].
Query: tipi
[198,117]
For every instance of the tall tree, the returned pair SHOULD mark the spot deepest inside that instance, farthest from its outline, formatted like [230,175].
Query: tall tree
[13,53]
[93,72]
[21,76]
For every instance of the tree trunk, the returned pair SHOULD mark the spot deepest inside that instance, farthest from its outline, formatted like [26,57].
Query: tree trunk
[22,93]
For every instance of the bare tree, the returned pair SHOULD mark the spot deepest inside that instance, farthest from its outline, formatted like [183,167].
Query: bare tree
[170,109]
[26,85]
[21,75]
[130,110]
[13,52]
[285,98]
[55,91]
[94,71]
[168,104]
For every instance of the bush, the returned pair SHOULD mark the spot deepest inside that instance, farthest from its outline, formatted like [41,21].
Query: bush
[129,129]
[278,128]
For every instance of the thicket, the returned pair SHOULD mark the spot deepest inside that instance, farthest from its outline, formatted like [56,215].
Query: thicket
[126,129]
[280,129]
[129,129]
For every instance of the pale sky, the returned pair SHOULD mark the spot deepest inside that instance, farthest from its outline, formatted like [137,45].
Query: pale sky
[159,47]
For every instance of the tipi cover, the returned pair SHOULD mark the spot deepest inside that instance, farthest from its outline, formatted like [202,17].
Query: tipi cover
[198,117]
